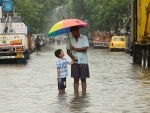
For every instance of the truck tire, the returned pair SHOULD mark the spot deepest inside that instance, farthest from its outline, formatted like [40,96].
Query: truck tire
[23,60]
[147,61]
[143,58]
[110,50]
[134,54]
[28,54]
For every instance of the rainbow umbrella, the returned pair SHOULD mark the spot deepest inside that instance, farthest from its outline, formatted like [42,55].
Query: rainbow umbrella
[64,26]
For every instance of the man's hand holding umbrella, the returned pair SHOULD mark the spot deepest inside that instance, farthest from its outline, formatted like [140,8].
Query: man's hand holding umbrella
[72,48]
[74,58]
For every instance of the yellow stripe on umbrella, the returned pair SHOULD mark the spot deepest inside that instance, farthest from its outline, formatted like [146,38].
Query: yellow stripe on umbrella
[64,26]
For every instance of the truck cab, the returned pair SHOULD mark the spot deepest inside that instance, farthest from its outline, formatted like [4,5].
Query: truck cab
[101,39]
[7,6]
[140,32]
[15,36]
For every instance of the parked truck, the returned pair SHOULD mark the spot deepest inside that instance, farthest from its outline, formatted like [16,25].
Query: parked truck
[15,36]
[140,32]
[101,39]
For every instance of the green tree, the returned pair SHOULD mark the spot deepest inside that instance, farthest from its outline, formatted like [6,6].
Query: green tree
[101,14]
[36,13]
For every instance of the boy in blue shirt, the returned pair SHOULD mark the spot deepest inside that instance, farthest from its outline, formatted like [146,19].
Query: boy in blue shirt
[62,71]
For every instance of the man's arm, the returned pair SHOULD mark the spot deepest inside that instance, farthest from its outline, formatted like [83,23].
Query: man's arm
[84,46]
[83,49]
[71,56]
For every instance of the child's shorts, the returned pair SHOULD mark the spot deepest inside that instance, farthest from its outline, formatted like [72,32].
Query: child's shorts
[62,84]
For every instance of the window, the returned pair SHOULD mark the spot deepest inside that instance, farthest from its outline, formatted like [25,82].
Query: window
[118,39]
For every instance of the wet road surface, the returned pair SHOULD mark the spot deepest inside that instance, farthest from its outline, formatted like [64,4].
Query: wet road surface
[115,86]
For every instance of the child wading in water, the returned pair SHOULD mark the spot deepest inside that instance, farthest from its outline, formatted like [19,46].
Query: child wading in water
[62,71]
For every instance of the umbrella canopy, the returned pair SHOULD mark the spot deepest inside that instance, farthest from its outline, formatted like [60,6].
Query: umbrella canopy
[64,26]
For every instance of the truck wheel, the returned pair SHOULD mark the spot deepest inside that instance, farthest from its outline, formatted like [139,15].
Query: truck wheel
[134,58]
[134,54]
[30,50]
[28,54]
[147,60]
[23,60]
[143,58]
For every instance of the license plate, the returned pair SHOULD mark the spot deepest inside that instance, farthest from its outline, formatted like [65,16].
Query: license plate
[118,45]
[19,55]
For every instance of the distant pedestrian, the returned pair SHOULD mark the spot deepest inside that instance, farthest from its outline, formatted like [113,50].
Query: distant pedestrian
[58,41]
[37,44]
[53,41]
[62,71]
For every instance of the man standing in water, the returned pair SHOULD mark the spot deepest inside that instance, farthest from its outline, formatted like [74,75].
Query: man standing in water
[77,50]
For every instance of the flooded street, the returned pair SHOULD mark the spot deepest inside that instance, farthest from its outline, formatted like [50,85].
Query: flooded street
[115,85]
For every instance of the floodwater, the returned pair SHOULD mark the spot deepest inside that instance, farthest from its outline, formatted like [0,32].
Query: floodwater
[115,86]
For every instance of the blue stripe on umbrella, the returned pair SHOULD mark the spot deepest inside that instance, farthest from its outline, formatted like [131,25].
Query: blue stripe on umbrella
[59,32]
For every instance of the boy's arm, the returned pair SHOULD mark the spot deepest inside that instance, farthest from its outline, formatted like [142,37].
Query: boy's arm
[58,74]
[72,62]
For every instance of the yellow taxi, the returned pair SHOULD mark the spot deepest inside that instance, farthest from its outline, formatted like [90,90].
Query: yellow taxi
[117,43]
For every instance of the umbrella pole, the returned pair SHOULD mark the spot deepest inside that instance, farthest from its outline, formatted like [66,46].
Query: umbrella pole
[68,37]
[67,32]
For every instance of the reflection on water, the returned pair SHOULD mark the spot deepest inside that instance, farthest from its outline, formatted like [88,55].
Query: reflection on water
[62,103]
[116,85]
[78,103]
[71,103]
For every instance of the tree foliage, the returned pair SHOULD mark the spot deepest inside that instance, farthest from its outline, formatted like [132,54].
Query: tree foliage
[101,14]
[36,13]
